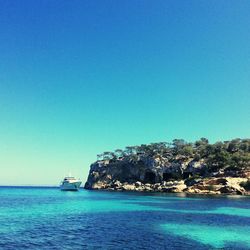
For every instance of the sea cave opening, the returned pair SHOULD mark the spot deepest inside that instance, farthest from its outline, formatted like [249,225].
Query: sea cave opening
[167,176]
[186,175]
[170,176]
[149,177]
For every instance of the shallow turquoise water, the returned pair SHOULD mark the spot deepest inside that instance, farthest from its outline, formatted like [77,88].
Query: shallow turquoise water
[46,218]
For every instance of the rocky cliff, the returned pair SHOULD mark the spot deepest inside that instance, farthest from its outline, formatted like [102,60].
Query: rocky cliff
[166,168]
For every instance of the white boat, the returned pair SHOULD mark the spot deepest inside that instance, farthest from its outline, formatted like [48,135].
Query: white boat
[70,184]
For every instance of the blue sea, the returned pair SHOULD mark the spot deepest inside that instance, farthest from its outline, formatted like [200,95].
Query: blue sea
[46,218]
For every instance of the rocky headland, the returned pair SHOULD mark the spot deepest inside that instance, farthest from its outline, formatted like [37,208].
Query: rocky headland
[194,168]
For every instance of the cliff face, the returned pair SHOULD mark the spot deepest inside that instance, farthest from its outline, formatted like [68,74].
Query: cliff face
[200,167]
[158,175]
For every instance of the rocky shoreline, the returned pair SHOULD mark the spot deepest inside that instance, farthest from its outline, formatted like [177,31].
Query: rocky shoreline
[199,168]
[225,185]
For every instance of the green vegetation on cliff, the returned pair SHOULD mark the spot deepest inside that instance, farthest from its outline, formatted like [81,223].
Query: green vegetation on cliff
[229,156]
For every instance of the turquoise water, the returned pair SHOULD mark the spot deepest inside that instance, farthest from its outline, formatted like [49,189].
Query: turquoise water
[46,218]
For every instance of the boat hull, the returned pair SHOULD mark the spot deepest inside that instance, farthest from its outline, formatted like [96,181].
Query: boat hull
[74,186]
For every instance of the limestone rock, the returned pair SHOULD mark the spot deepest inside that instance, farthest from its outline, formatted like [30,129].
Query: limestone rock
[158,175]
[138,184]
[128,187]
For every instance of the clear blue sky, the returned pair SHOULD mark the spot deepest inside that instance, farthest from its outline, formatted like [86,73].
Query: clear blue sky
[81,77]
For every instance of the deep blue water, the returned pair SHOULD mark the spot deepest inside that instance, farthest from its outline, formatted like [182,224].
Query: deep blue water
[46,218]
